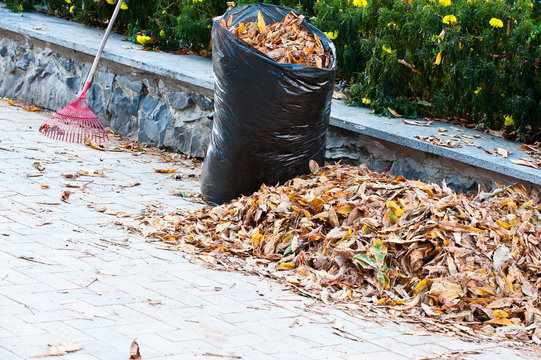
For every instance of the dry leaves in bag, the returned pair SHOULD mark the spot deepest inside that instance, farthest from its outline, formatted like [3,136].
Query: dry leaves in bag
[286,42]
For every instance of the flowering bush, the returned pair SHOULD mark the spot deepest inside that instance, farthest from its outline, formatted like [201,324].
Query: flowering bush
[476,60]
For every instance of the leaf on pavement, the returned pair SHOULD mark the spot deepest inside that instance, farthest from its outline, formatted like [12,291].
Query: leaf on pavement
[59,349]
[65,195]
[166,171]
[135,354]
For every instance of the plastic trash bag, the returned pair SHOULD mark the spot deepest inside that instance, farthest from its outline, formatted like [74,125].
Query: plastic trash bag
[270,119]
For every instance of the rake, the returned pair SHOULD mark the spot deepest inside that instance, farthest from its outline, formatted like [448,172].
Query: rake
[76,122]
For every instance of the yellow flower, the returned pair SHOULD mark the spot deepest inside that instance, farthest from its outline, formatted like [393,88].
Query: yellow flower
[530,5]
[124,6]
[497,23]
[68,1]
[112,2]
[162,33]
[196,1]
[478,90]
[71,9]
[332,34]
[509,120]
[449,19]
[143,39]
[360,3]
[366,101]
[445,2]
[386,49]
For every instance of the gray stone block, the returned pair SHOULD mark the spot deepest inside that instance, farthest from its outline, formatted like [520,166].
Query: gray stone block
[12,85]
[51,68]
[149,104]
[67,64]
[107,79]
[203,102]
[134,85]
[24,61]
[122,120]
[94,98]
[32,74]
[74,83]
[179,99]
[152,125]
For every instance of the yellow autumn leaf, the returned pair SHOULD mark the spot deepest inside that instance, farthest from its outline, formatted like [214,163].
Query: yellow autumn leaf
[438,59]
[422,284]
[166,171]
[261,22]
[500,314]
[398,210]
[286,266]
[499,321]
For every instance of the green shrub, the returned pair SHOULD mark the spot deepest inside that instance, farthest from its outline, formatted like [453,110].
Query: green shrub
[473,60]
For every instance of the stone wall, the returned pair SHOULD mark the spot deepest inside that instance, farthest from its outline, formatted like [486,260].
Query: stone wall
[141,106]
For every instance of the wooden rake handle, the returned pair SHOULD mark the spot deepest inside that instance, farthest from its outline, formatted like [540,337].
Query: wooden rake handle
[100,50]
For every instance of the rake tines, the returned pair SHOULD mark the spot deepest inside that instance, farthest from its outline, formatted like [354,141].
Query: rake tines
[74,123]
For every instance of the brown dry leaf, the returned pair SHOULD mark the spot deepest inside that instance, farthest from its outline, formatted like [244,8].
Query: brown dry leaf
[89,142]
[65,195]
[503,152]
[439,141]
[135,354]
[44,186]
[38,166]
[394,113]
[166,171]
[314,166]
[408,65]
[59,349]
[87,172]
[418,122]
[526,162]
[46,222]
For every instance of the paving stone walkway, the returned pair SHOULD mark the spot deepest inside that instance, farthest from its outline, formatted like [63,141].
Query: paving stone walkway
[70,273]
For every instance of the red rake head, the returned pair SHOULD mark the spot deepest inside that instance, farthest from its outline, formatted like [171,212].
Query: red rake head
[74,123]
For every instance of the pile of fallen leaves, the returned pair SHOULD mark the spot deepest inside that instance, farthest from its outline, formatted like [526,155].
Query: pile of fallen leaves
[286,42]
[349,236]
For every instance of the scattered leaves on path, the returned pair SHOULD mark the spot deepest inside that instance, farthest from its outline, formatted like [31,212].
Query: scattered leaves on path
[362,239]
[59,349]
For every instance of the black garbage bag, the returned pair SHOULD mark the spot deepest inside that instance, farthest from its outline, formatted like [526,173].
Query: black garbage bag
[270,119]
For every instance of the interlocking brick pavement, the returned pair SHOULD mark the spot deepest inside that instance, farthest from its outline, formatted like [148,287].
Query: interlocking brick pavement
[71,273]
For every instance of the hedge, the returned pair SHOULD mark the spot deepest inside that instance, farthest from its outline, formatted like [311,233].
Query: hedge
[475,61]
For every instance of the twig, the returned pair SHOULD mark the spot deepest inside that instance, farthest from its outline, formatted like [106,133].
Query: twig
[92,282]
[223,356]
[30,258]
